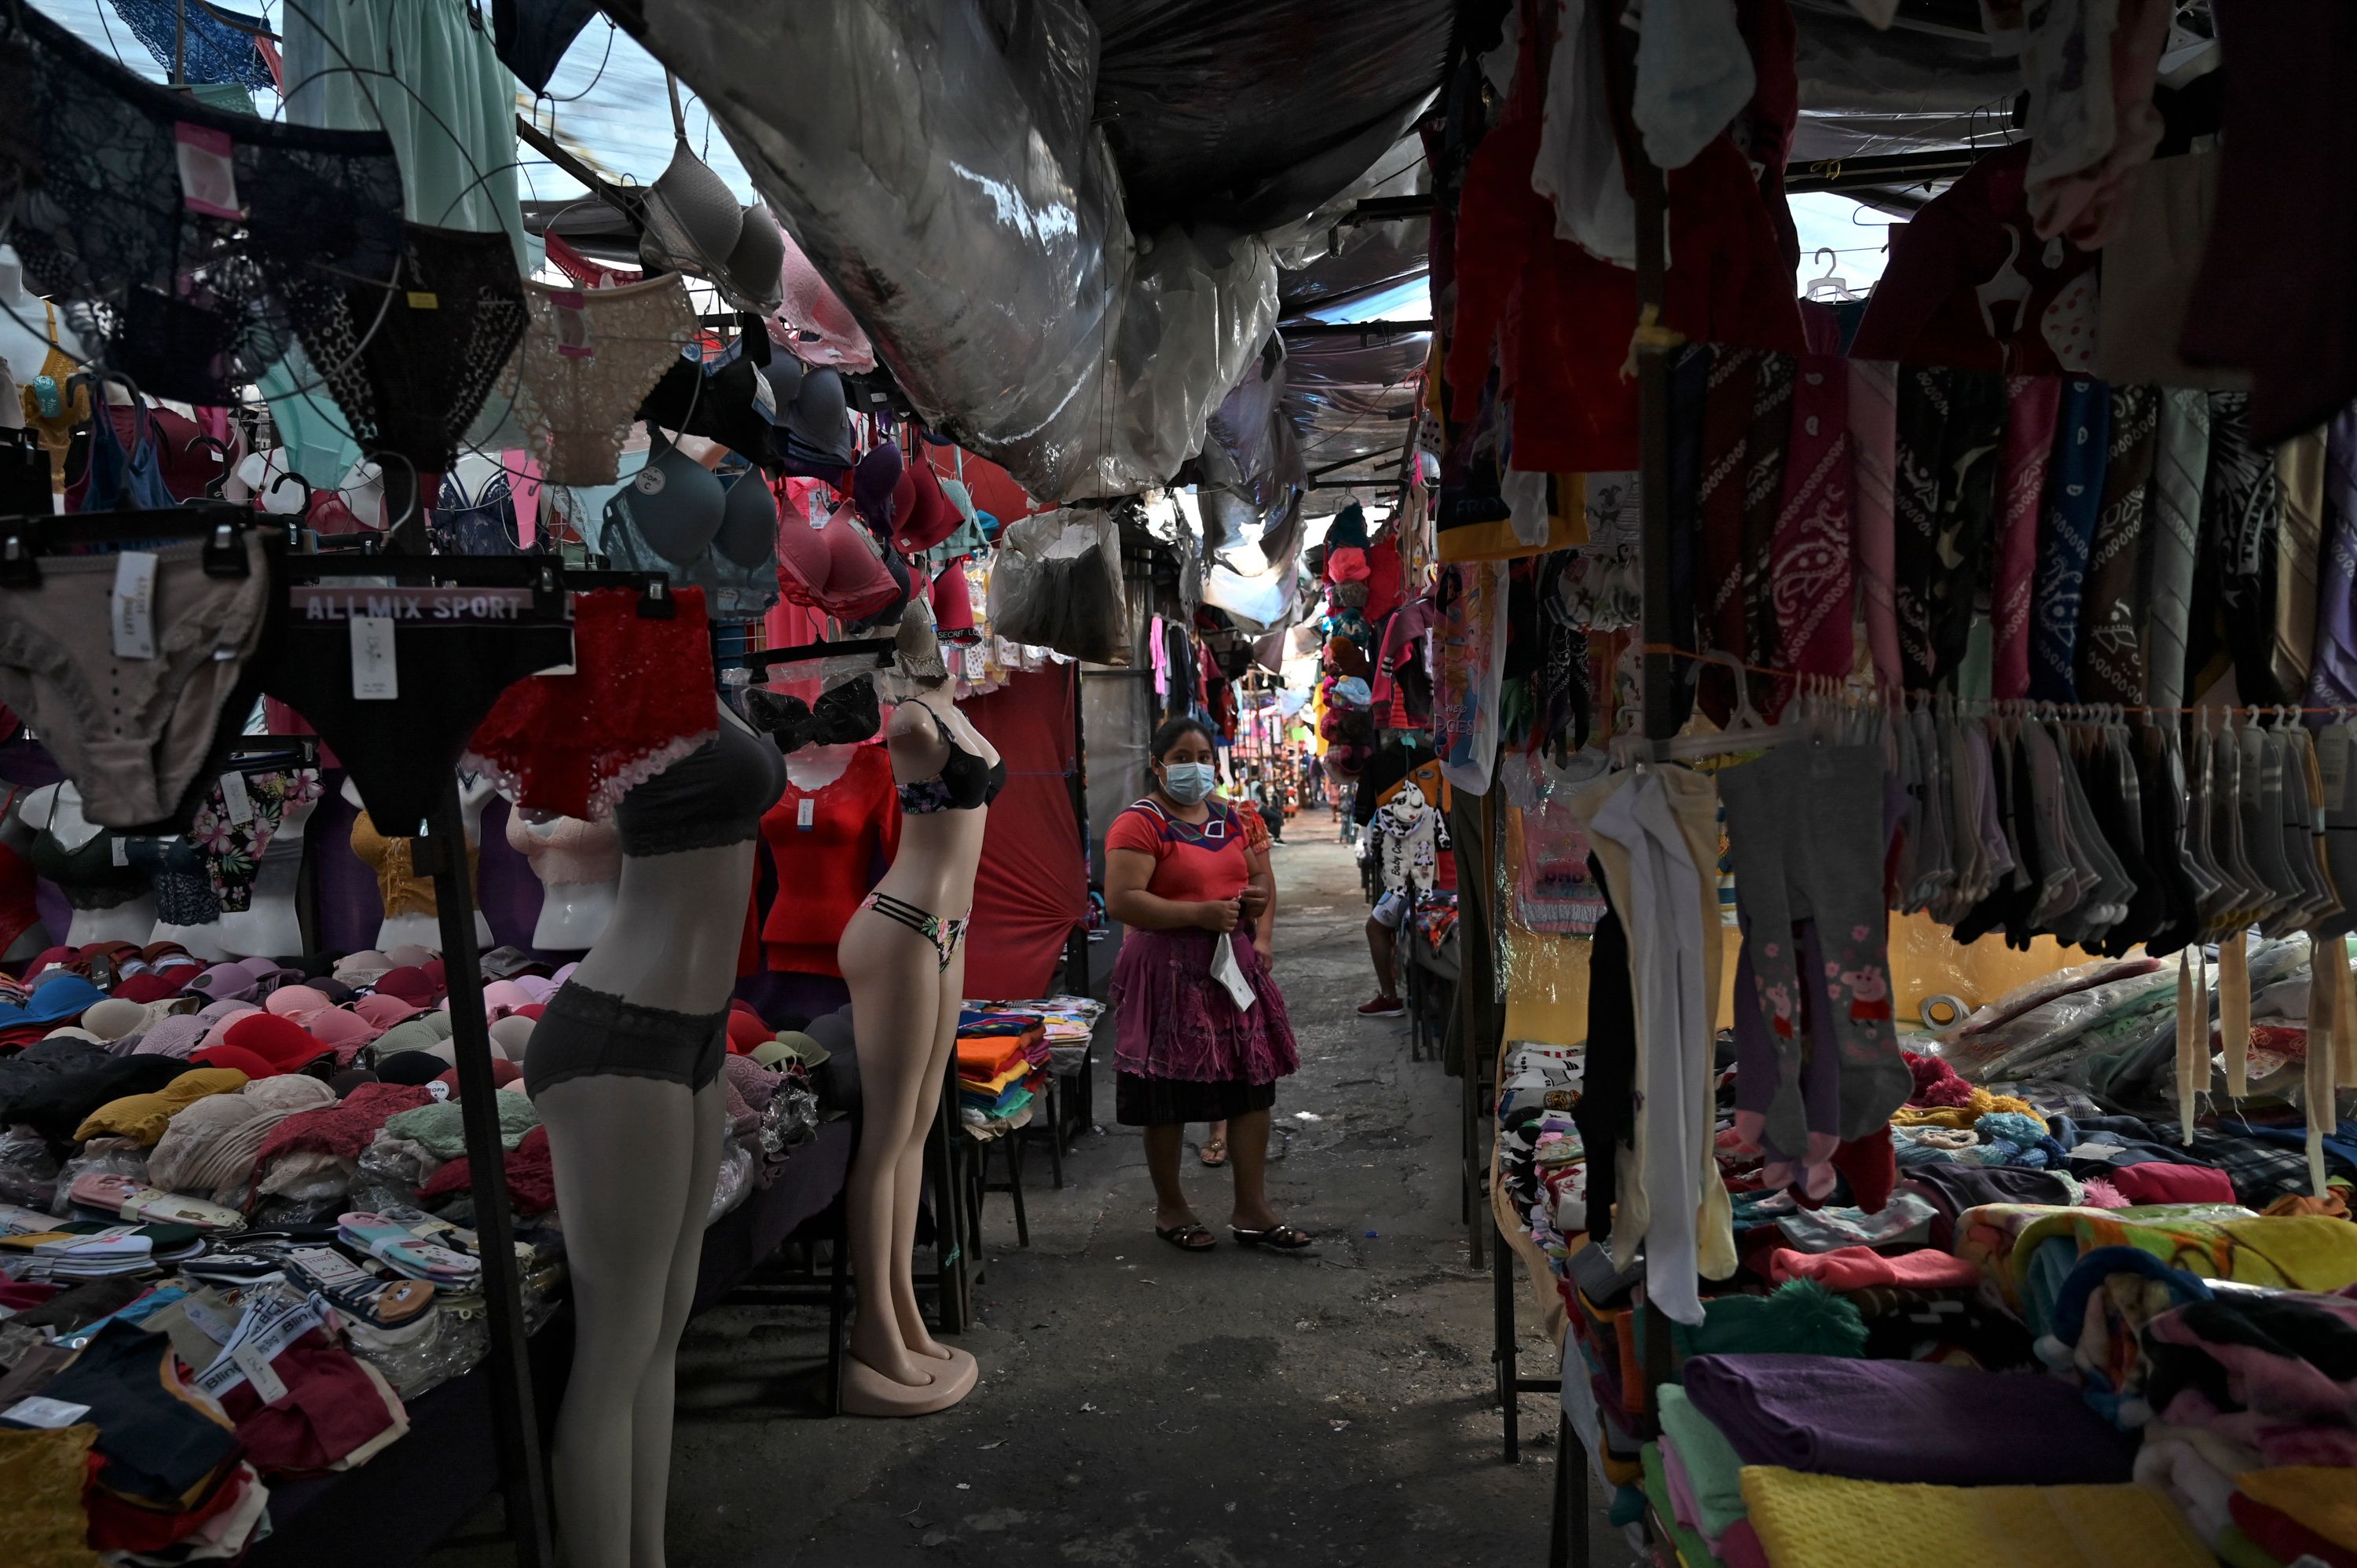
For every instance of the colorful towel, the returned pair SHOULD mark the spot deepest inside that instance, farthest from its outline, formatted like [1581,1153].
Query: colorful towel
[1905,1421]
[2272,1372]
[1691,1547]
[1712,1467]
[1826,1521]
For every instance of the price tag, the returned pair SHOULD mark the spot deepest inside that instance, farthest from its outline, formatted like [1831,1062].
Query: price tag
[268,1384]
[330,1268]
[803,812]
[132,610]
[208,164]
[572,318]
[119,848]
[236,799]
[44,1412]
[438,1088]
[376,675]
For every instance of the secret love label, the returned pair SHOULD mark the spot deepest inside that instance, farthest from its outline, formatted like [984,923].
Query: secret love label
[412,606]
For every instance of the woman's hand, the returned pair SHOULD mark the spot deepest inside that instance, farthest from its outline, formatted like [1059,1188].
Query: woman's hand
[1256,899]
[1220,914]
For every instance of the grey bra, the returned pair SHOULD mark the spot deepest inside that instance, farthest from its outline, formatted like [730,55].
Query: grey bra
[677,516]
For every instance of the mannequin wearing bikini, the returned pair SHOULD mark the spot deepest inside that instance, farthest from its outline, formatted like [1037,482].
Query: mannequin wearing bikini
[22,934]
[411,916]
[268,925]
[579,865]
[113,902]
[624,1067]
[903,955]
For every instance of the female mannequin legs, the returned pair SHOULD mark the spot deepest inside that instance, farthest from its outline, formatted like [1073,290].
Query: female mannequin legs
[905,1008]
[657,1150]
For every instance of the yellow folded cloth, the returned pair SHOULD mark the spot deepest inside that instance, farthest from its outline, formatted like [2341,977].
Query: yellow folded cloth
[2322,1498]
[1982,1104]
[993,1085]
[1827,1522]
[142,1118]
[41,1475]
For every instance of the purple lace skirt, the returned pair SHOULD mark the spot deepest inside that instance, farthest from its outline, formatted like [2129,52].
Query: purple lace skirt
[1172,1020]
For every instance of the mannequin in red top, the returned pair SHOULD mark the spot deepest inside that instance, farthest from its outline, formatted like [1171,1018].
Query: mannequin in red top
[828,833]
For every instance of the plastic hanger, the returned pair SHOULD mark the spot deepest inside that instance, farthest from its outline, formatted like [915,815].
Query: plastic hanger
[1831,285]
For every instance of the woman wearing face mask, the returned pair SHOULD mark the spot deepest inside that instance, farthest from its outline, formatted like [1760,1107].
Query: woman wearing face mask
[1177,875]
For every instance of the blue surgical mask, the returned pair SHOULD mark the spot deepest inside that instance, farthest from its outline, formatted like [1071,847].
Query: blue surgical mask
[1187,782]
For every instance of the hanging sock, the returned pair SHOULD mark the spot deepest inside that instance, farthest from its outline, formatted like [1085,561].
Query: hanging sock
[2189,1040]
[2234,1015]
[2325,1022]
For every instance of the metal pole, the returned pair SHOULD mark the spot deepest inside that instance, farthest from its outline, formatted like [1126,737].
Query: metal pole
[522,1477]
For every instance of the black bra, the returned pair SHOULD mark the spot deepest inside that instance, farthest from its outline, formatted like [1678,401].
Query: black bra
[842,716]
[963,784]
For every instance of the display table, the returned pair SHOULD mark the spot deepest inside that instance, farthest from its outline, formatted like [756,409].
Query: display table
[393,1510]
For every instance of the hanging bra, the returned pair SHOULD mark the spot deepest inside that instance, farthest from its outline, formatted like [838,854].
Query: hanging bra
[73,408]
[485,525]
[963,784]
[840,717]
[678,518]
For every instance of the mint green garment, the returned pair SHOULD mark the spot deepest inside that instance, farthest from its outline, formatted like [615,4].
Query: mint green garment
[316,435]
[1712,1469]
[440,1131]
[425,74]
[1692,1548]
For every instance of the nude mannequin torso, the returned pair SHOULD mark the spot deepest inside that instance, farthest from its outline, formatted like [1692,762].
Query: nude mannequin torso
[57,807]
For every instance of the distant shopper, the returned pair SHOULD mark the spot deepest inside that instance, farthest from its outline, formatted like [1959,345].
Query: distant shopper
[1176,874]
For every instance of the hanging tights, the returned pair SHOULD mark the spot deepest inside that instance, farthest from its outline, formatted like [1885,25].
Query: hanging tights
[193,289]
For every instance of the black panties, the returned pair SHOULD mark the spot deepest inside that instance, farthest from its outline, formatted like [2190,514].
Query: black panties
[411,365]
[588,1034]
[192,290]
[401,755]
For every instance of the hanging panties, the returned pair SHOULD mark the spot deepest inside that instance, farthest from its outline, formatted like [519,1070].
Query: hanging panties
[134,734]
[411,363]
[447,673]
[231,851]
[191,244]
[843,716]
[640,699]
[184,894]
[588,357]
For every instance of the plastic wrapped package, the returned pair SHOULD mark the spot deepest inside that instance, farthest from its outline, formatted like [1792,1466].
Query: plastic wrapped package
[390,1173]
[1056,582]
[421,1356]
[2031,1039]
[29,1174]
[950,183]
[734,1184]
[101,1156]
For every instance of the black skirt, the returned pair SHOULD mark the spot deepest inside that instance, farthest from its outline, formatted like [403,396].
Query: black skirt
[1141,1101]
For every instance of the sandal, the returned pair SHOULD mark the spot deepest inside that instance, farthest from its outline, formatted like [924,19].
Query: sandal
[1277,1238]
[1188,1238]
[1214,1152]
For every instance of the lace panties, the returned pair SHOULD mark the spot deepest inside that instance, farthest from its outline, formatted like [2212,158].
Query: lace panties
[193,244]
[588,1034]
[638,700]
[134,734]
[411,362]
[447,673]
[588,357]
[945,935]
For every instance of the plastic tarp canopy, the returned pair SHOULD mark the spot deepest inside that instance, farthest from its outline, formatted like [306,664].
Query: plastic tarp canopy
[1253,116]
[1335,261]
[1349,399]
[1250,467]
[1064,246]
[1929,81]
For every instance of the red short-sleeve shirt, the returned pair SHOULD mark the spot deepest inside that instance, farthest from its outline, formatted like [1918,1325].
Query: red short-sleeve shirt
[1193,863]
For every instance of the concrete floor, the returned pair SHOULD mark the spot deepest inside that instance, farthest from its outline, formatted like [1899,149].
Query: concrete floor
[1140,1406]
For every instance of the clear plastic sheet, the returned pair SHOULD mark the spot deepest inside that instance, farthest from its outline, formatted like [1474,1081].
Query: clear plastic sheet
[734,1184]
[29,1174]
[1250,471]
[938,164]
[1324,260]
[101,1156]
[1055,583]
[418,1357]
